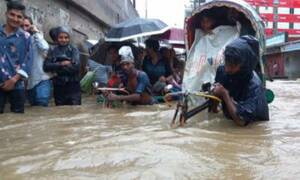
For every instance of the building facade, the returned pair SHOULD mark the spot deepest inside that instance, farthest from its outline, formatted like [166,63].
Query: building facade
[87,19]
[280,16]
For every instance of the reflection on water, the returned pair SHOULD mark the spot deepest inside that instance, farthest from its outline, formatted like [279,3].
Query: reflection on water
[91,142]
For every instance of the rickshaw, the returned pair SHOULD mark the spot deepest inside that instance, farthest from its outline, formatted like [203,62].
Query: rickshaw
[232,18]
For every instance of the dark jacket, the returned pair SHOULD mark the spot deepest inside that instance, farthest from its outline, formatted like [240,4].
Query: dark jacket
[244,87]
[64,74]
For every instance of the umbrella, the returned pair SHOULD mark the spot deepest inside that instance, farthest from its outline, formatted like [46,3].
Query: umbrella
[173,36]
[134,28]
[98,52]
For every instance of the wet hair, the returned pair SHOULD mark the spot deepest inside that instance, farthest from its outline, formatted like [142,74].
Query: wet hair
[28,18]
[232,60]
[153,44]
[115,47]
[162,50]
[140,50]
[14,4]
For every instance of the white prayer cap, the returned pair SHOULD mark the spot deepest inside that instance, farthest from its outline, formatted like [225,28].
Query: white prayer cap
[126,54]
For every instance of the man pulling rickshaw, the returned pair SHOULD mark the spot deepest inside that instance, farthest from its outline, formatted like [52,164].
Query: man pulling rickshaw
[221,63]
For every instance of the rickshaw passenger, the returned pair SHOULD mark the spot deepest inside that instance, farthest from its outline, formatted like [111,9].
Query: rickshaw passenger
[154,66]
[206,51]
[207,24]
[238,85]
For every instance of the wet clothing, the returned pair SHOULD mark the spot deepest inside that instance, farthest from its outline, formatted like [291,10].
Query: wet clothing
[39,48]
[15,56]
[40,94]
[155,71]
[244,87]
[39,85]
[16,98]
[67,94]
[139,83]
[67,78]
[64,74]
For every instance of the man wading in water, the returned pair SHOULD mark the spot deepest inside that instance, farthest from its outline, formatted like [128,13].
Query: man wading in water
[238,85]
[137,82]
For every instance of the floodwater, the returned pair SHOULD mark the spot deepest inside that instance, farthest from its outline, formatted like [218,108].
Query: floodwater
[91,142]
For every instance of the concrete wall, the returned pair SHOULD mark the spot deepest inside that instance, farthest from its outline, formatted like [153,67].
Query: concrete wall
[89,19]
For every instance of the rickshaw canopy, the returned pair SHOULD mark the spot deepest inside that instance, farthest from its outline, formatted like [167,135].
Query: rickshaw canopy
[240,6]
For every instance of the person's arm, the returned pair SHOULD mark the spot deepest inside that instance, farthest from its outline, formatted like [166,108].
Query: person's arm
[169,70]
[40,42]
[143,80]
[9,84]
[131,98]
[22,68]
[222,93]
[73,67]
[50,65]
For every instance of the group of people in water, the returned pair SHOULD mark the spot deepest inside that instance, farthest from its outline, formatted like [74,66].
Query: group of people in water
[147,73]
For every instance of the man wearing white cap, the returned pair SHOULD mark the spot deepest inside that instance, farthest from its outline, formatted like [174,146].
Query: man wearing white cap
[137,82]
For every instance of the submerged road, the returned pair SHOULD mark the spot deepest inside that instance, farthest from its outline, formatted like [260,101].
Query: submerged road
[92,142]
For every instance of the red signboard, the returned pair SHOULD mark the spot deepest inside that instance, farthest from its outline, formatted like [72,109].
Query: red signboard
[269,3]
[269,17]
[269,31]
[292,18]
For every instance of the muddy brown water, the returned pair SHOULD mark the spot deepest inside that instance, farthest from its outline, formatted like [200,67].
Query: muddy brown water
[92,142]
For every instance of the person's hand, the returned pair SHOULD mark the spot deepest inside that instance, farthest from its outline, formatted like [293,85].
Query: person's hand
[121,85]
[65,62]
[105,93]
[219,90]
[34,29]
[162,79]
[9,85]
[112,97]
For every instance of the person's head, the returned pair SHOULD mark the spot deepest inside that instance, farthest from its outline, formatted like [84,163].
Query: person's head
[112,54]
[152,46]
[207,23]
[172,53]
[63,36]
[14,14]
[27,23]
[165,53]
[232,65]
[140,53]
[127,59]
[233,15]
[241,57]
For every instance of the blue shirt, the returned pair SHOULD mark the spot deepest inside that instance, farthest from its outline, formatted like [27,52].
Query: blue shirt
[155,71]
[142,82]
[15,55]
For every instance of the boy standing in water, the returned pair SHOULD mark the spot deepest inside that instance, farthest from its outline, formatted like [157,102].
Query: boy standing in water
[63,60]
[14,57]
